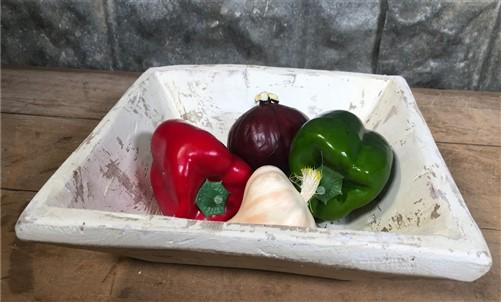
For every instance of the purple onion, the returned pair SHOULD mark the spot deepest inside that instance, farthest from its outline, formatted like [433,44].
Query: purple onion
[263,134]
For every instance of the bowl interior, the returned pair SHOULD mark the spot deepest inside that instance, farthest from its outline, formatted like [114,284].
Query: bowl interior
[114,176]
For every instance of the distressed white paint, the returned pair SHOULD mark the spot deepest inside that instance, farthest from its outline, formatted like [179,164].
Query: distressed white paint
[101,197]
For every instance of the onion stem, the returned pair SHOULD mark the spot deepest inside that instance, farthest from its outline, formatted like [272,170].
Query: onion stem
[266,97]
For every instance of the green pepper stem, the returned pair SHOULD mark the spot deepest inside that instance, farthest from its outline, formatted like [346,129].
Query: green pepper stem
[310,180]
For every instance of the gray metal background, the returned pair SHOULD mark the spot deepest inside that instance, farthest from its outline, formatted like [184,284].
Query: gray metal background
[438,44]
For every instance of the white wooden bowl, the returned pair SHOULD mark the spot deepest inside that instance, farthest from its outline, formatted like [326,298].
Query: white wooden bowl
[100,198]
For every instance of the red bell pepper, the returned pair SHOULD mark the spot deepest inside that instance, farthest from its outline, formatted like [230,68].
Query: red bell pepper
[194,175]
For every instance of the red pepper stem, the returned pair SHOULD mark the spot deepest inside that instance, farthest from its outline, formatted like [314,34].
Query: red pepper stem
[211,198]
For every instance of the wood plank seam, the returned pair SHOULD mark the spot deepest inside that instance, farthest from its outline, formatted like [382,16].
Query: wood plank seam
[51,116]
[18,190]
[469,144]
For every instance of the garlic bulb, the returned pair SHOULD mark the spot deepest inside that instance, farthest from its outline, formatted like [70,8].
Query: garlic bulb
[270,198]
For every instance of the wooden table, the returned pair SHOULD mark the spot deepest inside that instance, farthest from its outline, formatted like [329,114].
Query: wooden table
[47,113]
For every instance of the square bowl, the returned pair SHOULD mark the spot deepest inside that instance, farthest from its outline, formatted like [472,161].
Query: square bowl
[100,198]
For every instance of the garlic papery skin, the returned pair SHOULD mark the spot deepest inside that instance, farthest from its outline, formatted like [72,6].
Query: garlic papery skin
[270,198]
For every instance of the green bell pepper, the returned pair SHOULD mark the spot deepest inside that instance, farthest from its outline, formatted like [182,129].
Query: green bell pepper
[353,163]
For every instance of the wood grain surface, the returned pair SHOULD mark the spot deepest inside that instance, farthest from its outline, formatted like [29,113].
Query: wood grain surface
[69,93]
[47,113]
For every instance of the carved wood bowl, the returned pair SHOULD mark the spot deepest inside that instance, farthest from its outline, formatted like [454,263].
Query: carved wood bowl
[100,198]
